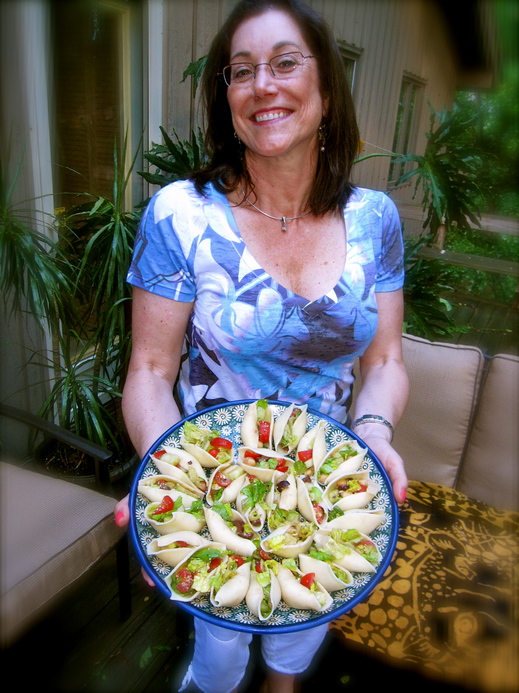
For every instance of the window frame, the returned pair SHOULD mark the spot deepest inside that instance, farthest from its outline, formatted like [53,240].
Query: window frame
[351,55]
[407,123]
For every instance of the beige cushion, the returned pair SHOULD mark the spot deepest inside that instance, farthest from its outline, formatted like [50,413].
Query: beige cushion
[52,531]
[443,381]
[490,469]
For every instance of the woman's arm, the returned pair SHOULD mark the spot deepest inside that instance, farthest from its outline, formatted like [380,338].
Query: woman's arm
[158,329]
[385,387]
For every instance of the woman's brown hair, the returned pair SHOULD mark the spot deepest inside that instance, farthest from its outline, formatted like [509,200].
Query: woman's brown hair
[226,166]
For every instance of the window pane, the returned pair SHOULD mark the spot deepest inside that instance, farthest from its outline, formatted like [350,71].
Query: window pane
[87,84]
[404,126]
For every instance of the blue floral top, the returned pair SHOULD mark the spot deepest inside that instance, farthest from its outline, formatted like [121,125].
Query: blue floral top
[248,337]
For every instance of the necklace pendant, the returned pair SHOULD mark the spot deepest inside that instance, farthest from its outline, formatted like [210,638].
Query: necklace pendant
[283,223]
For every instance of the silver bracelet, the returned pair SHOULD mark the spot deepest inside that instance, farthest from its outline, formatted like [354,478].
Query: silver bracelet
[373,418]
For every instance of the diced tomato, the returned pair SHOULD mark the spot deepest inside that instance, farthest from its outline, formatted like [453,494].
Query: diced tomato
[221,443]
[259,567]
[221,480]
[181,544]
[365,542]
[215,562]
[254,455]
[159,454]
[308,580]
[282,466]
[185,580]
[165,506]
[214,452]
[319,513]
[237,559]
[263,554]
[264,431]
[305,455]
[363,486]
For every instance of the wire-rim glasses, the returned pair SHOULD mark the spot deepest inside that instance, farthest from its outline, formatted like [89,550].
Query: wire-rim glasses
[281,66]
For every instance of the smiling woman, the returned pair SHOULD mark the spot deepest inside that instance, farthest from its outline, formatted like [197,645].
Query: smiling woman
[266,274]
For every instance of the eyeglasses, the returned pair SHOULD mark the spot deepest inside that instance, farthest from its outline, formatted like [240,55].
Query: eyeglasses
[281,66]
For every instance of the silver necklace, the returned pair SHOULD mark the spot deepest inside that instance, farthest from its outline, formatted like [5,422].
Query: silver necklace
[283,220]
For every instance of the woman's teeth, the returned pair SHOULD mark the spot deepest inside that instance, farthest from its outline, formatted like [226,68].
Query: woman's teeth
[270,116]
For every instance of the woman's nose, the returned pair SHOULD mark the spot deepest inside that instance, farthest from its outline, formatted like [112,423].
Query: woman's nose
[264,79]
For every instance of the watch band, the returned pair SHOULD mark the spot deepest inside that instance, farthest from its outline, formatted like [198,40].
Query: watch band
[373,418]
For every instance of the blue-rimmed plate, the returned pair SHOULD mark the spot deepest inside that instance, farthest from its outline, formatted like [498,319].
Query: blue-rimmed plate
[227,420]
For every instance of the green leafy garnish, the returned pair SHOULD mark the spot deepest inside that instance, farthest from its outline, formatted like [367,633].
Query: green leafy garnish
[224,510]
[255,493]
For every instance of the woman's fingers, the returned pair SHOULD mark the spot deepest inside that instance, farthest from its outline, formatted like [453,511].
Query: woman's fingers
[122,512]
[147,578]
[122,517]
[393,464]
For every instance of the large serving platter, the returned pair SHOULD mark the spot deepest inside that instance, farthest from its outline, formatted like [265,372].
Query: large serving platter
[227,420]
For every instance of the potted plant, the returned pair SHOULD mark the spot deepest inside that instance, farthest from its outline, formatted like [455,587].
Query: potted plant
[76,283]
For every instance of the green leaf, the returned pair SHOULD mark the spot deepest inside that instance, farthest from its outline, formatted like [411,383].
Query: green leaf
[195,69]
[146,658]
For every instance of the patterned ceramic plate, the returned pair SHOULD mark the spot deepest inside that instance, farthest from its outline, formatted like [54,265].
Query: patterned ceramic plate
[227,420]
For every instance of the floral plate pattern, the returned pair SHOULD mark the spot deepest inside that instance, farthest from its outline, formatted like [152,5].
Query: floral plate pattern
[227,420]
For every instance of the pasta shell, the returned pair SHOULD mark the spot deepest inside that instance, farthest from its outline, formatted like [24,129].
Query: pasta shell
[315,442]
[255,596]
[348,500]
[263,473]
[331,467]
[290,429]
[160,546]
[365,521]
[221,532]
[155,487]
[178,522]
[232,592]
[284,541]
[298,596]
[315,512]
[249,428]
[230,472]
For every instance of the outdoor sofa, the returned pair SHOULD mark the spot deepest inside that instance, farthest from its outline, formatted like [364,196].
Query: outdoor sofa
[447,606]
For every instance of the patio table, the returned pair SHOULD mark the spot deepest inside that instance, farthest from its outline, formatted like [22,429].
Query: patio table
[447,604]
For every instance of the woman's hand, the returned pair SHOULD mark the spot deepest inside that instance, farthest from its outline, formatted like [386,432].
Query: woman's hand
[391,460]
[122,512]
[122,517]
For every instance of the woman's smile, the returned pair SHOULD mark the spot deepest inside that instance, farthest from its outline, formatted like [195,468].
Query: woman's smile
[265,116]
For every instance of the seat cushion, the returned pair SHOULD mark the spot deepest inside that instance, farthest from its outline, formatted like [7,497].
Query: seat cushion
[444,381]
[52,531]
[490,468]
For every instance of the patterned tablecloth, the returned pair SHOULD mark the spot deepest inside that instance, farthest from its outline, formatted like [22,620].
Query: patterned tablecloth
[447,604]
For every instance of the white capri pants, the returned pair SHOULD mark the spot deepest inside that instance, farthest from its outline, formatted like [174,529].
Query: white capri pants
[221,655]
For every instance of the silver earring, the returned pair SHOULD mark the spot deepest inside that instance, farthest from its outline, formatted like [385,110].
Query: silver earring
[322,137]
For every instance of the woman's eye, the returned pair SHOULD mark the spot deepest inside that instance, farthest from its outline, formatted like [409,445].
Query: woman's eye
[286,63]
[241,72]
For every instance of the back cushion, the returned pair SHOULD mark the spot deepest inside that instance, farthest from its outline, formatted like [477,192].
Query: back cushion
[431,436]
[490,468]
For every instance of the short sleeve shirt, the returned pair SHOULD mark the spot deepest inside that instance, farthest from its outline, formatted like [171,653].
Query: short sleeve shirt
[249,337]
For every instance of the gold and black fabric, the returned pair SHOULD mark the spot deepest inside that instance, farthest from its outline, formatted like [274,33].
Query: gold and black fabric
[447,605]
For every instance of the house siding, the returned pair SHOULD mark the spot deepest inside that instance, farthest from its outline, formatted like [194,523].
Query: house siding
[394,36]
